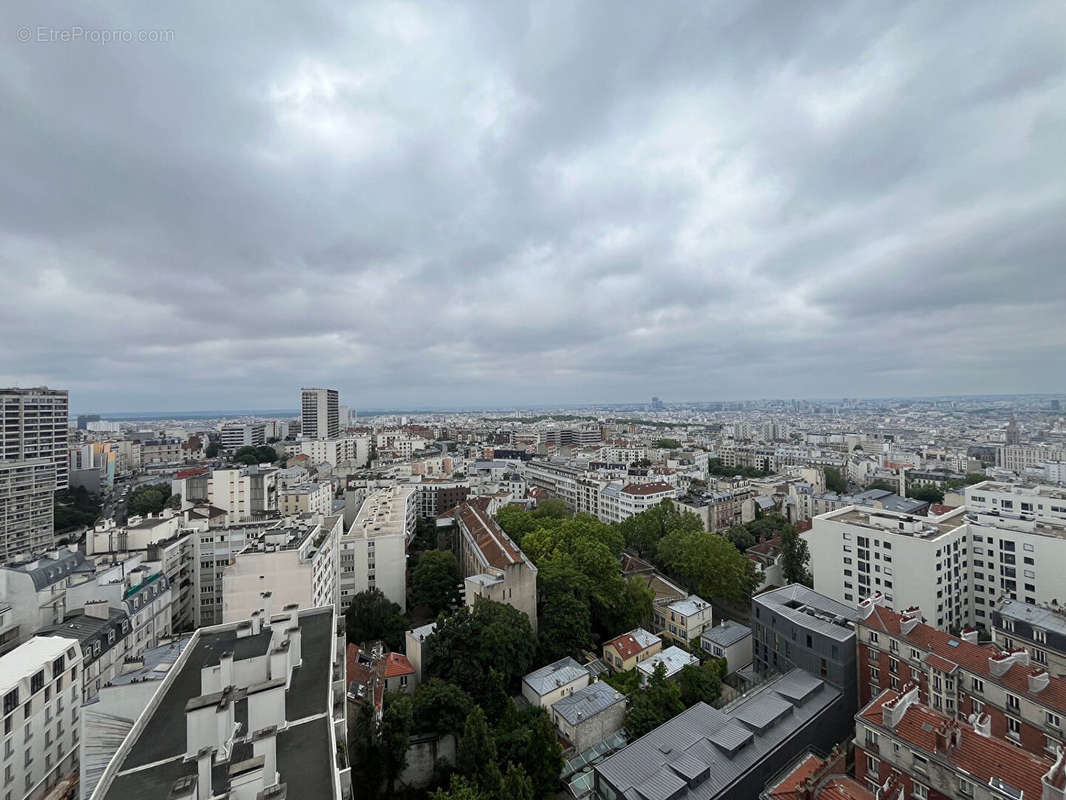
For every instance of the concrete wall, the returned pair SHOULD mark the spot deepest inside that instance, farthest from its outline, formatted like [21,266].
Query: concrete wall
[590,732]
[423,753]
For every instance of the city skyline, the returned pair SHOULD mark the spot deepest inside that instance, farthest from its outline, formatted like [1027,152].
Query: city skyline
[491,206]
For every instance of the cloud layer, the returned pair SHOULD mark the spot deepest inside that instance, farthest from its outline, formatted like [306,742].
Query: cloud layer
[484,204]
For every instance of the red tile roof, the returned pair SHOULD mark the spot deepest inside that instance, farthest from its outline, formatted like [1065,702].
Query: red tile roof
[983,757]
[397,664]
[946,651]
[496,545]
[829,787]
[626,645]
[647,488]
[936,509]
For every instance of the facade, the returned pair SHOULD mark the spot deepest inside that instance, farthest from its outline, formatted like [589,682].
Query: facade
[243,709]
[620,503]
[492,565]
[243,493]
[589,715]
[705,753]
[27,488]
[373,553]
[35,425]
[731,641]
[922,753]
[35,587]
[683,620]
[545,686]
[161,452]
[40,683]
[1015,698]
[319,414]
[237,434]
[341,450]
[1039,629]
[296,561]
[797,627]
[306,498]
[439,497]
[625,652]
[559,480]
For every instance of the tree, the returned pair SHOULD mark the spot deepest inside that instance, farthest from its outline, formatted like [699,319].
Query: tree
[174,502]
[551,509]
[364,749]
[516,784]
[372,616]
[563,611]
[881,483]
[834,481]
[475,758]
[516,521]
[440,707]
[667,444]
[459,789]
[258,454]
[642,532]
[699,683]
[436,581]
[530,741]
[148,499]
[213,449]
[795,558]
[741,537]
[709,565]
[468,643]
[716,467]
[653,705]
[394,735]
[929,494]
[634,606]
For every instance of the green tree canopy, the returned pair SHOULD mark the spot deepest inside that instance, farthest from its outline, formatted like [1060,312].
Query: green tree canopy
[667,444]
[516,784]
[467,644]
[699,683]
[551,509]
[709,565]
[475,758]
[795,558]
[565,621]
[257,454]
[834,481]
[642,532]
[372,616]
[436,581]
[529,741]
[213,449]
[148,499]
[459,789]
[929,494]
[440,707]
[394,735]
[716,467]
[652,705]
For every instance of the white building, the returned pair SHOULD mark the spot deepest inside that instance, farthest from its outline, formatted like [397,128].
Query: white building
[673,659]
[618,502]
[26,516]
[373,553]
[41,686]
[353,450]
[35,425]
[296,562]
[319,414]
[243,493]
[306,498]
[543,687]
[240,434]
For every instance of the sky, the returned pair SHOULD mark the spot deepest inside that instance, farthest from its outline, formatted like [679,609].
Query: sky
[442,204]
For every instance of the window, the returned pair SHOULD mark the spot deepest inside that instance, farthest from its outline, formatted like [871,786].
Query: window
[965,788]
[1053,719]
[977,685]
[873,636]
[921,792]
[1014,728]
[1013,703]
[872,764]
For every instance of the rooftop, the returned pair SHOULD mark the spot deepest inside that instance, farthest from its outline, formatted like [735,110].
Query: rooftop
[1044,617]
[48,568]
[673,658]
[703,751]
[28,658]
[812,610]
[587,702]
[636,641]
[693,604]
[559,673]
[727,634]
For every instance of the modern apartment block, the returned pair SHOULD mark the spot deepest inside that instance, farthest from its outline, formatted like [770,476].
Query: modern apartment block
[319,414]
[40,683]
[1007,541]
[795,626]
[904,748]
[1004,692]
[26,498]
[243,493]
[237,434]
[245,710]
[373,552]
[33,424]
[306,498]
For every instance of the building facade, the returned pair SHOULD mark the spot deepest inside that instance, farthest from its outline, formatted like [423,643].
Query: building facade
[319,414]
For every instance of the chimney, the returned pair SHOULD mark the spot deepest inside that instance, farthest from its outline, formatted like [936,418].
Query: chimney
[893,710]
[226,670]
[224,720]
[295,646]
[293,610]
[257,622]
[969,635]
[276,792]
[1021,656]
[268,607]
[279,663]
[97,609]
[1038,680]
[1053,784]
[909,620]
[203,772]
[866,606]
[244,629]
[982,724]
[264,743]
[1000,664]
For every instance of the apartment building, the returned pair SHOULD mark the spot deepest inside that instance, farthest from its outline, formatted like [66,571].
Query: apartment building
[436,497]
[242,493]
[373,553]
[341,450]
[683,620]
[244,710]
[1020,457]
[40,684]
[295,560]
[306,498]
[1039,629]
[795,626]
[1005,691]
[904,748]
[559,480]
[27,488]
[319,414]
[493,566]
[161,452]
[242,434]
[34,424]
[619,501]
[35,587]
[718,510]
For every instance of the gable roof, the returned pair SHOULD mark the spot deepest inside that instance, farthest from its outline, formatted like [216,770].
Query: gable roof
[629,644]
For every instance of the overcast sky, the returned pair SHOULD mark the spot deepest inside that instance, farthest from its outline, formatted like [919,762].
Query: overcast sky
[458,203]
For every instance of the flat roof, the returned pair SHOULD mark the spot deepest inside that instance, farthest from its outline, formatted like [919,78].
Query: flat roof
[811,610]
